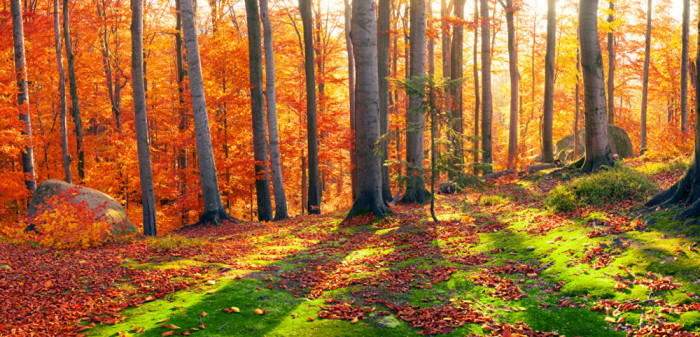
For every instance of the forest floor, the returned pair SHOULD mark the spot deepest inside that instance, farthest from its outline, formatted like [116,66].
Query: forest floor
[497,263]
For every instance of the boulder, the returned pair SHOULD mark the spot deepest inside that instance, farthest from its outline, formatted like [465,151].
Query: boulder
[113,210]
[564,148]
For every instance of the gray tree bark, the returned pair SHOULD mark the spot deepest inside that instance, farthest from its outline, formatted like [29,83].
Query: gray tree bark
[611,67]
[645,82]
[457,72]
[62,94]
[75,104]
[684,65]
[383,37]
[514,88]
[314,200]
[257,107]
[415,118]
[486,101]
[548,116]
[351,94]
[23,93]
[213,208]
[182,160]
[477,96]
[598,152]
[141,120]
[445,46]
[271,97]
[364,39]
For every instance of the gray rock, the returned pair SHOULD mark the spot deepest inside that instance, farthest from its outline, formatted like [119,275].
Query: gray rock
[113,210]
[564,148]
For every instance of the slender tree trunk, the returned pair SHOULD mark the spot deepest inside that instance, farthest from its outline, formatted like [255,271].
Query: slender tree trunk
[141,120]
[213,208]
[645,82]
[445,45]
[513,68]
[314,205]
[183,125]
[684,65]
[62,93]
[598,152]
[415,118]
[271,97]
[577,102]
[477,96]
[486,102]
[23,94]
[457,72]
[383,38]
[75,104]
[611,66]
[351,89]
[364,39]
[548,117]
[257,107]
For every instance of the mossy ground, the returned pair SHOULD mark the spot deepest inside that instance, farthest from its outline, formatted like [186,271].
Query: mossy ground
[557,268]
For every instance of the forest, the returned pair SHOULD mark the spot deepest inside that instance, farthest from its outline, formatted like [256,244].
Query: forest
[354,168]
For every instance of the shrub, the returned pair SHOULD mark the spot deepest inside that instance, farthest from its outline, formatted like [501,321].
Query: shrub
[63,223]
[651,169]
[491,200]
[613,186]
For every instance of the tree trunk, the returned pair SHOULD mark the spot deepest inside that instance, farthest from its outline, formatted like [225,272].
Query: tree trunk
[314,202]
[445,45]
[684,65]
[598,152]
[611,66]
[548,116]
[141,120]
[271,97]
[486,101]
[351,89]
[257,107]
[457,72]
[183,125]
[75,104]
[383,37]
[513,68]
[415,118]
[645,82]
[577,102]
[686,190]
[213,208]
[62,93]
[364,39]
[477,97]
[23,94]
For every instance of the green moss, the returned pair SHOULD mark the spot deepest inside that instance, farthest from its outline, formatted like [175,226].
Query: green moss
[491,200]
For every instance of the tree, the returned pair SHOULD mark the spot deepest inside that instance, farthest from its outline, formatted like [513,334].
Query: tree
[598,152]
[213,208]
[23,94]
[314,203]
[457,72]
[271,97]
[62,94]
[257,107]
[684,65]
[475,71]
[548,116]
[351,95]
[611,65]
[687,189]
[383,37]
[364,39]
[514,91]
[645,82]
[141,120]
[415,120]
[75,104]
[486,98]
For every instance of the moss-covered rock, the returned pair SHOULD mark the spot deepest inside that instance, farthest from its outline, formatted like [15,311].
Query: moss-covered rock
[564,148]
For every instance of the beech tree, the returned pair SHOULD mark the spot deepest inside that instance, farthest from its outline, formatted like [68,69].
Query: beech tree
[457,72]
[684,65]
[598,152]
[141,120]
[548,116]
[75,103]
[23,93]
[257,107]
[271,98]
[514,88]
[475,71]
[486,101]
[351,96]
[364,40]
[645,82]
[314,198]
[62,94]
[415,119]
[611,65]
[213,208]
[383,36]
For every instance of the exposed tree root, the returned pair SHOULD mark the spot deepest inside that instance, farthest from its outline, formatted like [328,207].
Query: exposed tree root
[420,196]
[213,217]
[685,191]
[365,203]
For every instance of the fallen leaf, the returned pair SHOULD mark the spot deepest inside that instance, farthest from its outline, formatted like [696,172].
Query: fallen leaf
[259,311]
[204,314]
[168,333]
[163,320]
